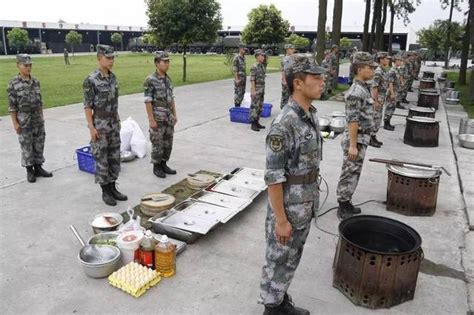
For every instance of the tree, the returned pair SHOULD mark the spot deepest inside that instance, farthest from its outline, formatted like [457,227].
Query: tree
[375,22]
[116,38]
[297,41]
[344,42]
[265,26]
[465,49]
[336,32]
[471,31]
[435,36]
[365,37]
[184,22]
[73,38]
[18,38]
[447,44]
[401,9]
[321,34]
[150,39]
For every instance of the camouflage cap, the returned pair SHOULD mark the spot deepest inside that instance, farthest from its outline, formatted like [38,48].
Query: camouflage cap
[161,55]
[362,57]
[382,54]
[289,46]
[398,57]
[302,63]
[24,59]
[241,45]
[107,51]
[259,52]
[334,46]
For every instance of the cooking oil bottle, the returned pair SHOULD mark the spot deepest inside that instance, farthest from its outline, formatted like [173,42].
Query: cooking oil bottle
[165,257]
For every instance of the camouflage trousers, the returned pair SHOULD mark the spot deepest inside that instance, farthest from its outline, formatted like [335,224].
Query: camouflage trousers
[378,116]
[239,91]
[256,106]
[285,95]
[402,94]
[106,151]
[162,141]
[389,108]
[350,172]
[281,260]
[409,83]
[32,145]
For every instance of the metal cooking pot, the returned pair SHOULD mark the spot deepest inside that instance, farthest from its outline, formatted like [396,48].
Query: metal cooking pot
[338,124]
[466,126]
[97,261]
[323,123]
[466,140]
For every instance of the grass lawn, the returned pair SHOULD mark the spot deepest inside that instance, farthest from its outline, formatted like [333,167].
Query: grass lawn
[61,85]
[464,91]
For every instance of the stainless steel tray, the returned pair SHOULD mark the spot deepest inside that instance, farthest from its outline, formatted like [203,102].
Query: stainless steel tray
[234,204]
[252,183]
[205,211]
[231,189]
[160,228]
[249,173]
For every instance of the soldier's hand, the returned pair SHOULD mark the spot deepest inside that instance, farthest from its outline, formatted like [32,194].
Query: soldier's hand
[17,128]
[175,121]
[283,231]
[253,93]
[352,154]
[94,134]
[153,124]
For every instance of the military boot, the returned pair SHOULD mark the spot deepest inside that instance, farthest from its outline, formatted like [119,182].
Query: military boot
[254,126]
[166,169]
[387,125]
[287,307]
[115,193]
[30,174]
[374,143]
[107,195]
[344,210]
[158,170]
[353,209]
[41,172]
[405,101]
[260,126]
[398,105]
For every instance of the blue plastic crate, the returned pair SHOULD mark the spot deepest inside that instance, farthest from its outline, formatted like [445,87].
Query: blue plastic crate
[240,114]
[343,80]
[85,159]
[267,110]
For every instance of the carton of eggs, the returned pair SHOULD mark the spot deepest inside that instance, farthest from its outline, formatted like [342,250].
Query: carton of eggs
[134,279]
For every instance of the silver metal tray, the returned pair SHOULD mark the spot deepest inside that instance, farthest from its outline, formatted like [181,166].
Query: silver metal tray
[249,172]
[180,245]
[234,204]
[255,184]
[160,228]
[205,211]
[231,189]
[422,172]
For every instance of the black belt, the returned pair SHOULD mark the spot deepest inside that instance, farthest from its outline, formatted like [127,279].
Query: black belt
[309,178]
[29,110]
[105,114]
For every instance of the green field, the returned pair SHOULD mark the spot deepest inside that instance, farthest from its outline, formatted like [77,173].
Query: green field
[464,91]
[61,85]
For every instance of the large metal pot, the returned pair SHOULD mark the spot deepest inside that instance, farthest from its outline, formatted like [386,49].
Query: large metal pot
[466,126]
[467,141]
[338,124]
[323,123]
[428,99]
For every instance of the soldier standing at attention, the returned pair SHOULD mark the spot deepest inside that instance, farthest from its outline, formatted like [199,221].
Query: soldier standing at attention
[161,111]
[379,94]
[293,148]
[360,123]
[26,111]
[327,64]
[393,89]
[240,75]
[101,93]
[66,57]
[290,50]
[399,62]
[257,90]
[335,65]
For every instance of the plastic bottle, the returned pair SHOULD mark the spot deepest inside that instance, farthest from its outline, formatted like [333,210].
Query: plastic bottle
[146,253]
[165,257]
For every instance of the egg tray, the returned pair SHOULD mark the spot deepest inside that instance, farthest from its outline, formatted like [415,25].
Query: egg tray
[119,279]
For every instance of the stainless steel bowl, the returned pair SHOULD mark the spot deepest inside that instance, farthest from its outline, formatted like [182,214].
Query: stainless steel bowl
[466,140]
[323,123]
[338,124]
[127,156]
[106,238]
[112,227]
[101,270]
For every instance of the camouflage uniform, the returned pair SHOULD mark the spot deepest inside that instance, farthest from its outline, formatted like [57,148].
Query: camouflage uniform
[101,95]
[159,91]
[402,73]
[380,82]
[240,69]
[391,103]
[293,149]
[410,77]
[285,94]
[24,98]
[257,74]
[359,108]
[327,64]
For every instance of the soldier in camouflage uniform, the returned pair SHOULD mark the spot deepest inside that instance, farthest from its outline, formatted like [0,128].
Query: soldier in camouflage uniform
[26,111]
[290,50]
[379,94]
[393,92]
[240,75]
[335,65]
[410,73]
[327,64]
[403,75]
[257,81]
[360,123]
[293,147]
[161,111]
[101,92]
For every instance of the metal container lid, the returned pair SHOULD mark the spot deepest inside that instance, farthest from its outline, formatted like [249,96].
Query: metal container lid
[429,92]
[414,172]
[422,109]
[422,119]
[338,114]
[427,80]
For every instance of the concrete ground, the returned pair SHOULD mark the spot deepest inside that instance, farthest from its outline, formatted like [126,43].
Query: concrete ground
[219,274]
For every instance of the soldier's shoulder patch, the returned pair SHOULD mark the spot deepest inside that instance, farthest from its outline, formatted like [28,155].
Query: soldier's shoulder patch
[276,143]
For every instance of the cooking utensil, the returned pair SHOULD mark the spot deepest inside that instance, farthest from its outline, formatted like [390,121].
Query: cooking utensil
[467,140]
[155,198]
[106,238]
[106,222]
[338,124]
[154,203]
[249,172]
[419,166]
[97,261]
[323,123]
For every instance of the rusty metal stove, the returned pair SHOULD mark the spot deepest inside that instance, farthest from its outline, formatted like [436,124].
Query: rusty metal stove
[421,132]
